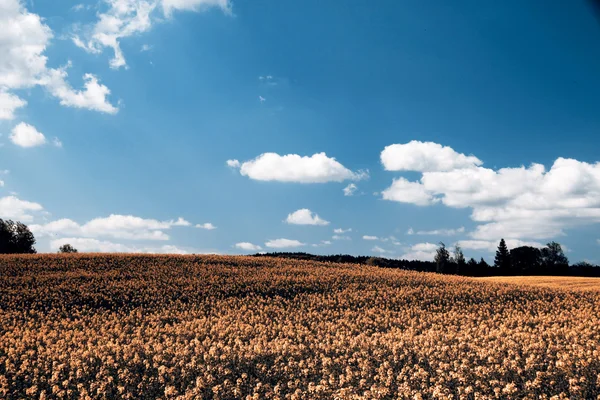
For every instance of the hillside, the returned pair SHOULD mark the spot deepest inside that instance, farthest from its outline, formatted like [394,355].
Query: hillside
[141,326]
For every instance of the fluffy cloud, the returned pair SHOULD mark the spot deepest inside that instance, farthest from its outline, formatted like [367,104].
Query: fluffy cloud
[341,237]
[115,226]
[420,252]
[9,103]
[12,207]
[323,243]
[283,243]
[125,18]
[25,135]
[305,217]
[443,232]
[102,246]
[367,237]
[350,189]
[317,168]
[246,246]
[404,191]
[23,64]
[424,157]
[207,225]
[514,203]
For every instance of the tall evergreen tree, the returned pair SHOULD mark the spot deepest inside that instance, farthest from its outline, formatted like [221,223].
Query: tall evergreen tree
[502,259]
[442,258]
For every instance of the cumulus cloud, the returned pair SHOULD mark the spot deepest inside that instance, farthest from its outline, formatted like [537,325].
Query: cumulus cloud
[443,232]
[25,135]
[350,189]
[233,163]
[89,245]
[517,203]
[317,168]
[23,64]
[420,252]
[305,217]
[116,226]
[283,243]
[404,191]
[9,103]
[367,237]
[207,225]
[12,207]
[125,18]
[341,237]
[425,157]
[246,246]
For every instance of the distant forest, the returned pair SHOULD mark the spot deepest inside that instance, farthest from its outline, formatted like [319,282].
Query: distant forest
[523,260]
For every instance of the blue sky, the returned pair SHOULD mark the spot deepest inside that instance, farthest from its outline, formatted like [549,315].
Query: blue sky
[118,117]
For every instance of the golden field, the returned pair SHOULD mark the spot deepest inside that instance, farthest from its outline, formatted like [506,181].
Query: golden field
[556,282]
[218,327]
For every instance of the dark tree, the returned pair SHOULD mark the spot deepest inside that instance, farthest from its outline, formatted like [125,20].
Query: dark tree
[442,258]
[459,260]
[554,259]
[67,248]
[526,260]
[502,259]
[15,237]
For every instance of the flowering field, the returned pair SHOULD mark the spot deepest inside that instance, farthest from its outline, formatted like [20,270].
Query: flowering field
[187,327]
[558,282]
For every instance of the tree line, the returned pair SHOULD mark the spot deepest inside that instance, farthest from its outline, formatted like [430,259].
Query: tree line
[523,260]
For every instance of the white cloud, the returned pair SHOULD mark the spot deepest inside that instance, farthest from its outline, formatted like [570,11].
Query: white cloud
[283,243]
[424,157]
[323,243]
[102,246]
[514,203]
[404,191]
[410,231]
[116,226]
[25,135]
[92,97]
[23,64]
[420,252]
[261,99]
[367,237]
[340,230]
[207,225]
[9,103]
[317,168]
[233,163]
[57,143]
[443,232]
[145,47]
[248,246]
[12,207]
[125,18]
[350,189]
[305,217]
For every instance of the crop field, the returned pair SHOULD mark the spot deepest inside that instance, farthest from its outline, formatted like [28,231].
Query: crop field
[221,327]
[557,282]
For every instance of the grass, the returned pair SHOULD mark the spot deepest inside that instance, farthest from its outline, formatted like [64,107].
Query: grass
[554,282]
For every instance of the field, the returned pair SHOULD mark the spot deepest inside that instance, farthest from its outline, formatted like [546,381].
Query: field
[216,327]
[556,282]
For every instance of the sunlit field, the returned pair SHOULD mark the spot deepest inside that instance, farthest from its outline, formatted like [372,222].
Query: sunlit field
[557,282]
[216,327]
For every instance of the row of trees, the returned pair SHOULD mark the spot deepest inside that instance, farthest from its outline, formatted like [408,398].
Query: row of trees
[16,238]
[524,260]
